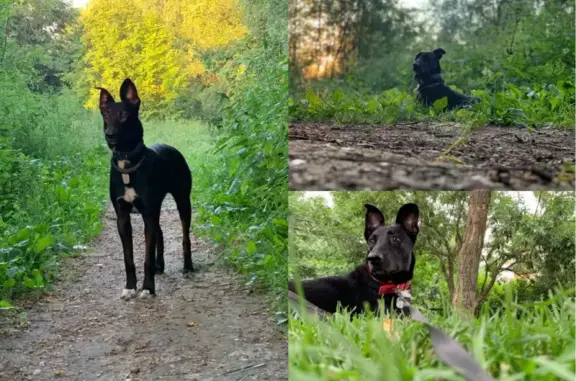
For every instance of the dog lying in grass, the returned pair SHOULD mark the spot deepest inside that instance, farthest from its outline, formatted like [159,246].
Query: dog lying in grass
[389,266]
[431,86]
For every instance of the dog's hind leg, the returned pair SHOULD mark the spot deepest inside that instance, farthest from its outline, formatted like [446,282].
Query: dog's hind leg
[159,251]
[125,231]
[151,226]
[185,211]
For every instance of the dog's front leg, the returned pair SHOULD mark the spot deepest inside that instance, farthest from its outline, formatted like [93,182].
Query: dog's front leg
[151,225]
[125,231]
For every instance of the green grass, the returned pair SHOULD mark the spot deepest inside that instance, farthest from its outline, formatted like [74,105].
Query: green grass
[194,139]
[519,342]
[540,106]
[53,187]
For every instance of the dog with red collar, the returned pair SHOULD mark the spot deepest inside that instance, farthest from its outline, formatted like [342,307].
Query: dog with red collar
[388,270]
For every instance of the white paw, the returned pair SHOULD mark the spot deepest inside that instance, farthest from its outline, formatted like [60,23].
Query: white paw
[145,294]
[128,294]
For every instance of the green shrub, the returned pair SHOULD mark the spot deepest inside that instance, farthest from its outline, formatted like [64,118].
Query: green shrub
[52,182]
[247,182]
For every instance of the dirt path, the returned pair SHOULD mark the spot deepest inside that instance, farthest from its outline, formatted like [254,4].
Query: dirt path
[328,156]
[195,329]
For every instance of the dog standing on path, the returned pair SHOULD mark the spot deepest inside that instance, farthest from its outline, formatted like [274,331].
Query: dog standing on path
[389,266]
[431,86]
[140,178]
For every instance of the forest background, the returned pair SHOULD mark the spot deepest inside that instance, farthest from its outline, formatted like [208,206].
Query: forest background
[351,61]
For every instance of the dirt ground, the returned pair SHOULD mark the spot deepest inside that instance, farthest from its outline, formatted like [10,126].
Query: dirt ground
[329,156]
[201,328]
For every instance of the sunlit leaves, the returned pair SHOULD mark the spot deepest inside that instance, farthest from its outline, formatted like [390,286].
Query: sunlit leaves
[156,44]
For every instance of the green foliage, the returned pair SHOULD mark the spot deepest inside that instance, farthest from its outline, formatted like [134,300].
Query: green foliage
[162,47]
[526,107]
[51,183]
[529,342]
[37,42]
[51,207]
[53,172]
[246,180]
[523,78]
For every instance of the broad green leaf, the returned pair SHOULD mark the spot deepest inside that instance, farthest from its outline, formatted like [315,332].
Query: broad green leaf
[441,104]
[43,243]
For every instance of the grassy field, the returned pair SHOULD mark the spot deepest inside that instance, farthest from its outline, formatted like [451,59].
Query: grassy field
[195,140]
[519,342]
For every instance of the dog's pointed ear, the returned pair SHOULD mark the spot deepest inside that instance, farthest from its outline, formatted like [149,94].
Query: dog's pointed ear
[373,219]
[129,93]
[438,53]
[105,98]
[408,216]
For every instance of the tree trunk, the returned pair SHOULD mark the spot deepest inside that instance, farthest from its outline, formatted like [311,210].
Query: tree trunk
[319,54]
[471,250]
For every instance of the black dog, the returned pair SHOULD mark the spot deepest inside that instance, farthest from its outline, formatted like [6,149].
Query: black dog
[431,86]
[140,178]
[389,266]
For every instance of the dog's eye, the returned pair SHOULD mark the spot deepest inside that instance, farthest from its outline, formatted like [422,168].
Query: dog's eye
[372,240]
[395,239]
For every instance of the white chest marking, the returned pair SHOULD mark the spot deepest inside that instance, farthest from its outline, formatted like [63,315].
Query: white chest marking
[129,194]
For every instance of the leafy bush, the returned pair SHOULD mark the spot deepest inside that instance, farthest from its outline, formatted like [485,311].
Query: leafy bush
[58,206]
[52,182]
[247,181]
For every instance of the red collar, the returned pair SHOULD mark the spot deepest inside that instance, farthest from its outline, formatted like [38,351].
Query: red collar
[389,288]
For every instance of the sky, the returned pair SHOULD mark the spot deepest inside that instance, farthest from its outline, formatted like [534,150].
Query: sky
[79,3]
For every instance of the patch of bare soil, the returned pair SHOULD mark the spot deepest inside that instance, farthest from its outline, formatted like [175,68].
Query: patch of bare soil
[328,156]
[198,328]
